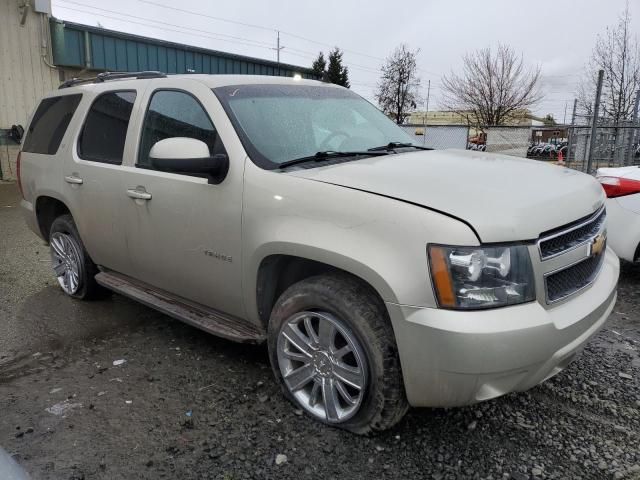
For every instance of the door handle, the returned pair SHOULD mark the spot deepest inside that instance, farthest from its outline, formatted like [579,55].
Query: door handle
[138,194]
[73,180]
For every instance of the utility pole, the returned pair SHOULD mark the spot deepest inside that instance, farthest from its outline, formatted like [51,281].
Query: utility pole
[594,121]
[429,93]
[277,49]
[634,127]
[570,133]
[424,116]
[564,119]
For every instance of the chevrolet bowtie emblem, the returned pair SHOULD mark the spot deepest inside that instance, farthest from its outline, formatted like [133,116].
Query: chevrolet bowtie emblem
[597,245]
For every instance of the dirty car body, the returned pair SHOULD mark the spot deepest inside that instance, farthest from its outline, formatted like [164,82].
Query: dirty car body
[380,274]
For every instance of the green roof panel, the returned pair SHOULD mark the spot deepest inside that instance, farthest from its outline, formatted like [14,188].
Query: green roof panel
[83,46]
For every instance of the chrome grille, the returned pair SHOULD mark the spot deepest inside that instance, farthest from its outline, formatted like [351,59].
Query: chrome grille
[570,236]
[561,284]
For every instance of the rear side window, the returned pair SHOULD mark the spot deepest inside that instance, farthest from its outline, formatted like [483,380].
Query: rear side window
[49,124]
[105,129]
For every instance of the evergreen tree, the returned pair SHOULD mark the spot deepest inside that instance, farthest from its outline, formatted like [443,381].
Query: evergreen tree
[336,72]
[319,65]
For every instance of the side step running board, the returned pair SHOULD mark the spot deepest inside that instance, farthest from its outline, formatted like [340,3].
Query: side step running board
[199,316]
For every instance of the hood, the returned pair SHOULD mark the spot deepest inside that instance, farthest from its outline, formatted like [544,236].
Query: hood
[502,198]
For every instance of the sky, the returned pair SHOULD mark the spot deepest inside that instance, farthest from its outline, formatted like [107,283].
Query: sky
[556,35]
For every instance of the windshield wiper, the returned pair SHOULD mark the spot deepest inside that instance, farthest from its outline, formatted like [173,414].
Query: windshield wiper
[393,145]
[329,154]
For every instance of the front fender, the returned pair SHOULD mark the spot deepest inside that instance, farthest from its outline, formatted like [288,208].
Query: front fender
[379,239]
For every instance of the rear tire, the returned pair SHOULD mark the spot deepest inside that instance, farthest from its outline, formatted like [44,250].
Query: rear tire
[358,317]
[73,268]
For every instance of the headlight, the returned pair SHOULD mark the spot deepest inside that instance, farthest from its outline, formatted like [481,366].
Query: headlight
[481,277]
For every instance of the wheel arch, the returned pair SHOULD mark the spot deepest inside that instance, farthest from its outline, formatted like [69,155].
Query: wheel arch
[636,253]
[278,271]
[47,209]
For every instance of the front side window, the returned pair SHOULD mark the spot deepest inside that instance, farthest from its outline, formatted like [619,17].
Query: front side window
[174,113]
[49,124]
[278,123]
[105,129]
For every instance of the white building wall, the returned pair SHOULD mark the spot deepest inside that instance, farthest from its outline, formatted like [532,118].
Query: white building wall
[508,140]
[24,75]
[439,136]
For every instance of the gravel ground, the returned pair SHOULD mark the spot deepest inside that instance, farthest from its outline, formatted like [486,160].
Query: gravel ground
[189,405]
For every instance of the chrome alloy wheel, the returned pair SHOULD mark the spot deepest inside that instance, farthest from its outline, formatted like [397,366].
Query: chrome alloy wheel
[66,260]
[323,365]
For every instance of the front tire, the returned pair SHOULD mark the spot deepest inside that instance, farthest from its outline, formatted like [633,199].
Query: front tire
[72,266]
[333,351]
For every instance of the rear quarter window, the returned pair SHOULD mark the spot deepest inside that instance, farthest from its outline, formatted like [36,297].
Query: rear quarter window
[49,124]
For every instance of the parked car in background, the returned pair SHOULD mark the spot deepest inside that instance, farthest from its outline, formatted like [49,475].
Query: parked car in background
[546,150]
[293,212]
[478,147]
[561,149]
[622,187]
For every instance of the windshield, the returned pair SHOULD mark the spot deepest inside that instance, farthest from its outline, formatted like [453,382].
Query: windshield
[280,123]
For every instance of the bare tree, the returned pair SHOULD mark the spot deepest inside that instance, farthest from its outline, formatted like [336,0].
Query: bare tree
[398,89]
[491,88]
[617,52]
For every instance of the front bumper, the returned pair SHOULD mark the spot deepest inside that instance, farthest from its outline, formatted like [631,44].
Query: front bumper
[453,358]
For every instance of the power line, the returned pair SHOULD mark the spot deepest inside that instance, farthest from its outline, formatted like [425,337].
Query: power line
[372,85]
[313,55]
[332,46]
[258,43]
[206,33]
[199,14]
[261,27]
[250,42]
[294,52]
[164,28]
[563,75]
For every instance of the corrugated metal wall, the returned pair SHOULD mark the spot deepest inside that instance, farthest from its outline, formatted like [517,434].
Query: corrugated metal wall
[116,51]
[24,77]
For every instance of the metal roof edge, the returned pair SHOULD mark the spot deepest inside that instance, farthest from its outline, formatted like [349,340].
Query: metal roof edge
[183,46]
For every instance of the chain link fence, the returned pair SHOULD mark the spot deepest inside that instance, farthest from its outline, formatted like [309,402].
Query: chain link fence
[614,145]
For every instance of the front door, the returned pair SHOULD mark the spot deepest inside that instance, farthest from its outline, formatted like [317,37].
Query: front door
[184,233]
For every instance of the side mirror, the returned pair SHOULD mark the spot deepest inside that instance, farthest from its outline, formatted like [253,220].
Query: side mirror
[188,155]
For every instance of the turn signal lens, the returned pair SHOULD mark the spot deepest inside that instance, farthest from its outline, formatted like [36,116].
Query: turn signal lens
[442,277]
[619,187]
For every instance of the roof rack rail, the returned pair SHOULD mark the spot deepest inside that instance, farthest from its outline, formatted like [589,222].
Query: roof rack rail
[105,76]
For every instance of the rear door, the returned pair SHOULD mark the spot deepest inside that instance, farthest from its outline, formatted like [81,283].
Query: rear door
[44,150]
[185,236]
[94,176]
